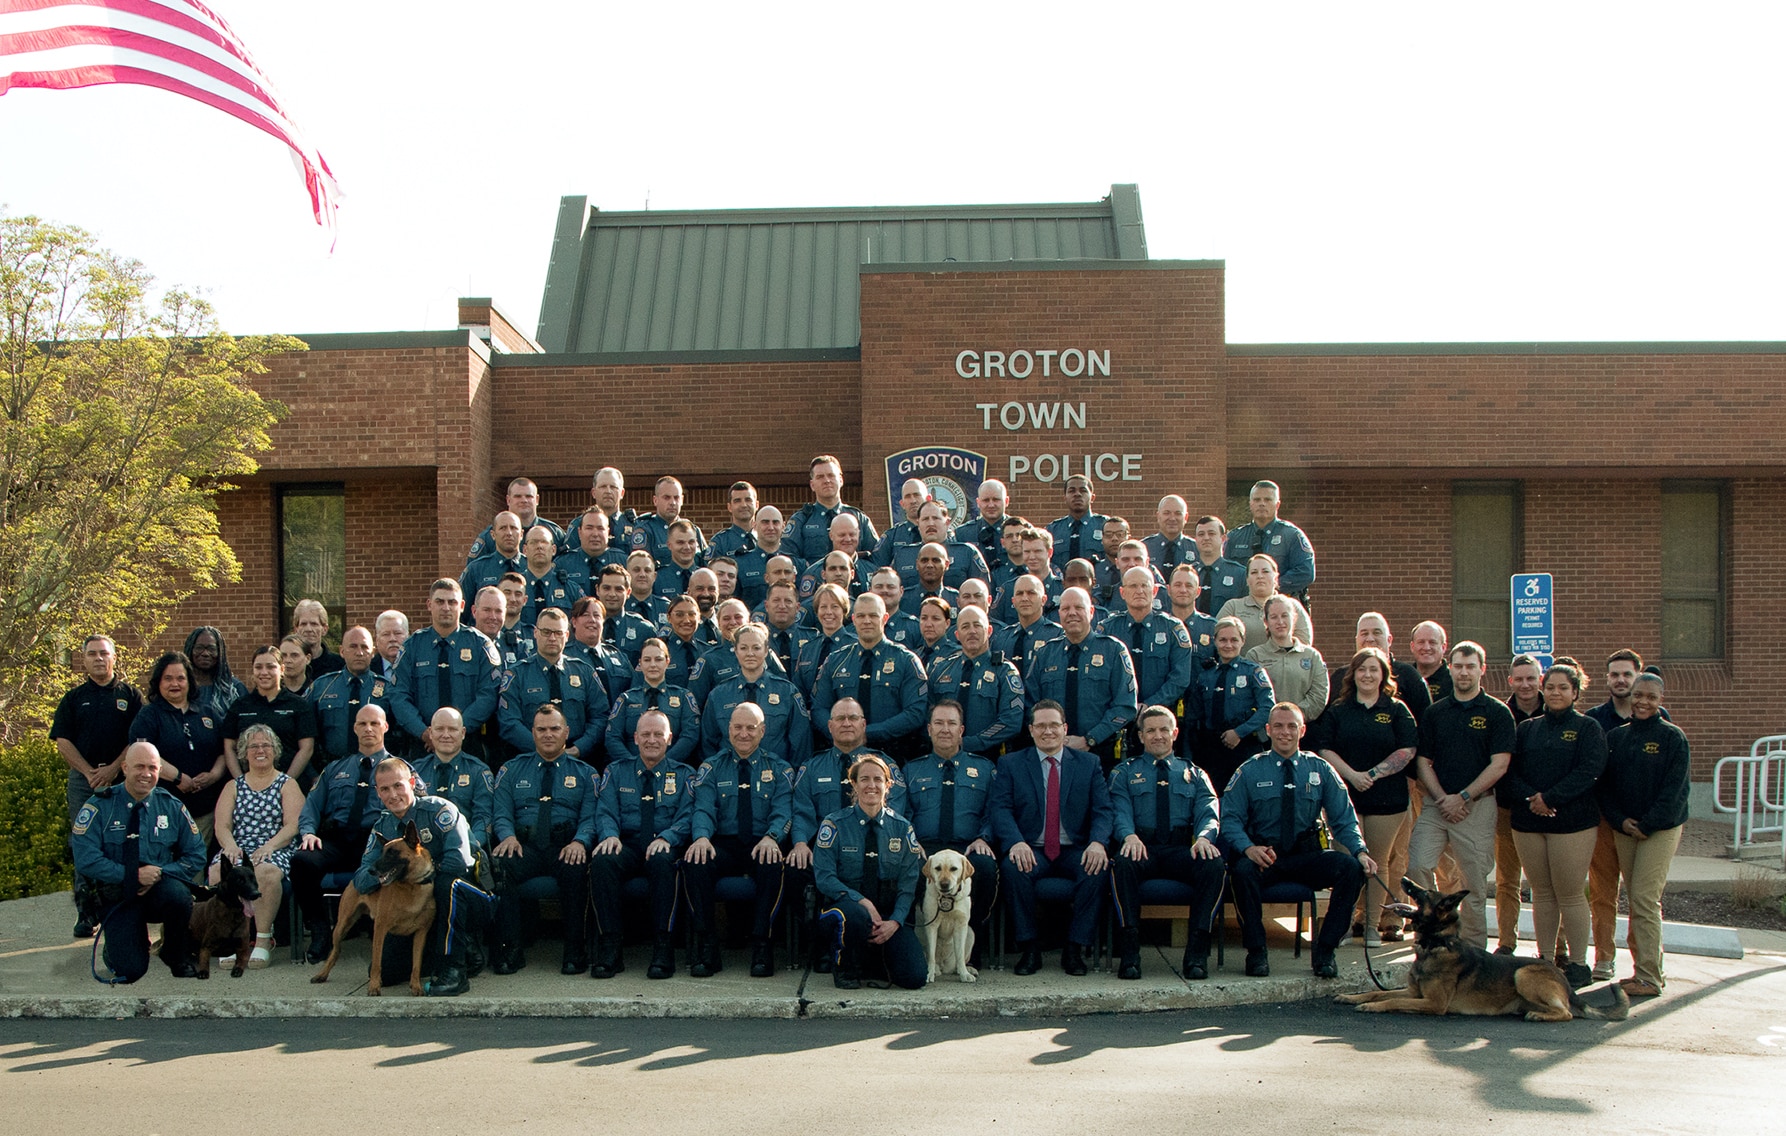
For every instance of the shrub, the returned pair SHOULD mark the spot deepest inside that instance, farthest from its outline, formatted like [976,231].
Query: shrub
[34,856]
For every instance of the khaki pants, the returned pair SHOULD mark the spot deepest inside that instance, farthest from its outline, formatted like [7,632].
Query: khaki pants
[1472,841]
[1395,866]
[1644,866]
[1557,864]
[1380,833]
[1603,895]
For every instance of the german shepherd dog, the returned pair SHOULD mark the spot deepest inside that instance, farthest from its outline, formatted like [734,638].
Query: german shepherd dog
[1451,976]
[224,922]
[403,904]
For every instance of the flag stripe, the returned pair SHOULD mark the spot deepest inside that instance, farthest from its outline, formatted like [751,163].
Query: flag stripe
[22,46]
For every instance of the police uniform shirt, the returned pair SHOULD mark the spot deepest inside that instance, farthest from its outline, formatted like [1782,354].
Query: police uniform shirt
[903,629]
[991,702]
[1091,539]
[809,530]
[1298,674]
[1019,643]
[902,534]
[619,809]
[965,563]
[1105,678]
[816,653]
[287,715]
[189,740]
[513,644]
[971,800]
[1222,581]
[1201,629]
[441,830]
[676,703]
[583,700]
[620,532]
[1163,663]
[654,610]
[96,719]
[914,598]
[988,537]
[844,871]
[1247,697]
[332,799]
[861,574]
[822,786]
[586,569]
[557,588]
[787,724]
[672,579]
[685,660]
[1252,804]
[166,836]
[897,706]
[332,699]
[474,668]
[526,780]
[1052,586]
[627,632]
[486,571]
[1284,543]
[729,542]
[652,533]
[1166,555]
[716,797]
[1192,810]
[753,569]
[468,783]
[1458,738]
[484,544]
[1107,587]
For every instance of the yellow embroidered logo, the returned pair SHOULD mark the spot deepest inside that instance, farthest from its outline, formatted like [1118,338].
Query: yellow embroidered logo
[1478,723]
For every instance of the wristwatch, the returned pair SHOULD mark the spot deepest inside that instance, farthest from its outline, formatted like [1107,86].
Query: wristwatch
[1464,794]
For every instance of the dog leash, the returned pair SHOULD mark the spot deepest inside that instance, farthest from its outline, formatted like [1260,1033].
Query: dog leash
[1369,968]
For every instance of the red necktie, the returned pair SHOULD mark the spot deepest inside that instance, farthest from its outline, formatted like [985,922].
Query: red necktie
[1051,825]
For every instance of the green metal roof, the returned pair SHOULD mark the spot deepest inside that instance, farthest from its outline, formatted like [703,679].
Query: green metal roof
[779,279]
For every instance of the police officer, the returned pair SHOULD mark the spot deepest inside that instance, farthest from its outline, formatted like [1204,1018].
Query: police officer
[651,532]
[549,586]
[1269,814]
[675,575]
[840,566]
[436,825]
[139,846]
[623,630]
[455,775]
[445,664]
[607,492]
[551,676]
[787,723]
[960,560]
[524,503]
[1221,578]
[504,557]
[544,826]
[1166,823]
[901,626]
[742,812]
[1030,627]
[642,817]
[884,678]
[592,549]
[90,730]
[1185,591]
[987,530]
[831,608]
[781,621]
[930,580]
[742,506]
[1089,674]
[652,692]
[1230,703]
[642,598]
[984,683]
[753,562]
[1159,646]
[1079,534]
[866,865]
[809,531]
[913,496]
[1036,544]
[338,697]
[948,797]
[332,828]
[1170,546]
[1279,539]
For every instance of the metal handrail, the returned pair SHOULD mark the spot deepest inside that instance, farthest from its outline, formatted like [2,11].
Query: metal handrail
[1758,788]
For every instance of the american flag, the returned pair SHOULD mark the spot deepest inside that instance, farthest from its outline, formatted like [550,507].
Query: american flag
[176,45]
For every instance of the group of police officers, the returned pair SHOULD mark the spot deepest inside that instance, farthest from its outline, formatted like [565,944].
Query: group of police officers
[796,713]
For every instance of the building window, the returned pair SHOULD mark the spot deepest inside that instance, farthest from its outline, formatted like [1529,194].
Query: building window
[1693,526]
[313,551]
[1485,554]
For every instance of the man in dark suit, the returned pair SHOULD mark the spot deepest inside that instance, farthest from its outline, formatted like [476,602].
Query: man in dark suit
[1051,813]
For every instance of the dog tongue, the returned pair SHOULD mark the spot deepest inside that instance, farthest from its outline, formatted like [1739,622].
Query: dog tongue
[247,909]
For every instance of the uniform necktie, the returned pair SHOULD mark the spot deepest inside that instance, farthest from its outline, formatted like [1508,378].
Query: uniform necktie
[1137,641]
[871,853]
[652,693]
[1076,545]
[538,600]
[443,673]
[750,693]
[1218,702]
[945,828]
[747,821]
[1172,553]
[1020,647]
[688,662]
[784,651]
[353,696]
[362,792]
[647,805]
[554,690]
[542,816]
[1162,799]
[1286,825]
[865,681]
[966,684]
[1072,691]
[133,856]
[1051,814]
[824,653]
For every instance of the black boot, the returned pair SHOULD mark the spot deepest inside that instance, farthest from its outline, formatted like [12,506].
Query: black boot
[508,959]
[576,957]
[474,956]
[705,961]
[609,958]
[848,975]
[321,941]
[451,981]
[762,959]
[663,958]
[1196,956]
[1129,945]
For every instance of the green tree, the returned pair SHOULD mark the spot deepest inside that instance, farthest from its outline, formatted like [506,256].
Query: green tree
[122,416]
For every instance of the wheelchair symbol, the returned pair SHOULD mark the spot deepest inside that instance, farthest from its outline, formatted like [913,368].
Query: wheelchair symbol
[1532,586]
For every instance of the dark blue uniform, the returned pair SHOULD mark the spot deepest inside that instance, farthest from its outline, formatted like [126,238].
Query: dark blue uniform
[729,541]
[190,740]
[897,703]
[903,629]
[673,579]
[808,532]
[483,545]
[859,857]
[1019,643]
[719,665]
[336,699]
[720,784]
[1005,611]
[675,703]
[1161,652]
[652,533]
[585,569]
[991,695]
[485,571]
[1227,696]
[965,562]
[467,661]
[787,725]
[815,655]
[469,784]
[1166,555]
[339,812]
[460,909]
[629,791]
[111,832]
[1170,805]
[571,686]
[546,805]
[612,669]
[988,537]
[753,566]
[949,802]
[1081,539]
[557,588]
[1253,813]
[914,598]
[1222,581]
[620,531]
[821,787]
[1094,680]
[814,574]
[1284,543]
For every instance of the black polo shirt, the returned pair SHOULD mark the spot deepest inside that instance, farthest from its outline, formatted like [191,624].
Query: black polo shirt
[1460,737]
[289,716]
[96,719]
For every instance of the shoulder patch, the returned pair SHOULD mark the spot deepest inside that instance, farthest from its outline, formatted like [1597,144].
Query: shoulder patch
[827,834]
[444,818]
[84,818]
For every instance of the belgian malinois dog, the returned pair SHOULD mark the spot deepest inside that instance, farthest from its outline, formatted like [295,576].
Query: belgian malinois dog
[403,904]
[1451,976]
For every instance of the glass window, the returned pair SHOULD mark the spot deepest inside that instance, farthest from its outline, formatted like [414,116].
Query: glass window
[1694,528]
[313,552]
[1485,554]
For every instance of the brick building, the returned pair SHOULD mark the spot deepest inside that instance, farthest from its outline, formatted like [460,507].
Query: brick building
[1646,477]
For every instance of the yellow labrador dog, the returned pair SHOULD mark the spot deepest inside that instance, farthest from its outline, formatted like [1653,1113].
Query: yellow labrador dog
[943,920]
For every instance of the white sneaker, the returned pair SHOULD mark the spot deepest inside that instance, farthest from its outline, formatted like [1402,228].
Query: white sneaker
[1603,971]
[223,960]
